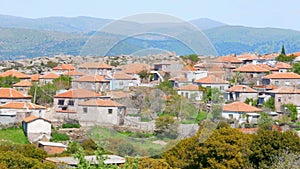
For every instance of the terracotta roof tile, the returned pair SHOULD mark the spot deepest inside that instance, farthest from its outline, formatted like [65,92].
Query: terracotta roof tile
[282,65]
[101,103]
[23,83]
[241,88]
[240,107]
[123,76]
[189,87]
[14,73]
[64,67]
[21,105]
[211,79]
[285,90]
[77,93]
[73,73]
[117,94]
[35,77]
[227,59]
[247,57]
[50,75]
[95,65]
[179,79]
[251,69]
[282,75]
[91,78]
[268,67]
[134,68]
[12,93]
[269,56]
[33,118]
[188,68]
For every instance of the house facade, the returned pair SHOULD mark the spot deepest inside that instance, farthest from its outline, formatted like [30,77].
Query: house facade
[282,79]
[94,68]
[35,128]
[190,91]
[241,93]
[94,83]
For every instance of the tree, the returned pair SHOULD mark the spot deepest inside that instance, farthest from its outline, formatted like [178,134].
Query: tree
[291,111]
[283,50]
[166,126]
[144,75]
[43,94]
[251,101]
[8,81]
[214,98]
[166,87]
[296,68]
[63,82]
[266,144]
[265,122]
[270,104]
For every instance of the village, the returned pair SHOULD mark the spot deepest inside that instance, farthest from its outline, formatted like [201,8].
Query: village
[136,94]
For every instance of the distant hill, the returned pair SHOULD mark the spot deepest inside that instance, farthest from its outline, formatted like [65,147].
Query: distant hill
[23,37]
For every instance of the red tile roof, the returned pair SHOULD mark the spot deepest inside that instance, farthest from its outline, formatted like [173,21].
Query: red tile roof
[73,73]
[91,78]
[241,88]
[211,79]
[240,107]
[64,67]
[188,68]
[189,87]
[50,75]
[134,68]
[12,94]
[247,57]
[14,73]
[77,93]
[268,67]
[179,79]
[21,105]
[282,75]
[117,94]
[123,76]
[285,90]
[35,77]
[251,69]
[227,59]
[23,83]
[102,103]
[33,118]
[95,65]
[282,65]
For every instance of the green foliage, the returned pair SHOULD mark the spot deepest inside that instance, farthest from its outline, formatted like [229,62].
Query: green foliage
[192,57]
[284,58]
[23,156]
[251,101]
[43,94]
[166,87]
[291,111]
[296,68]
[63,82]
[214,98]
[282,50]
[13,135]
[267,144]
[8,81]
[166,126]
[51,64]
[126,149]
[144,74]
[265,122]
[55,136]
[270,104]
[71,125]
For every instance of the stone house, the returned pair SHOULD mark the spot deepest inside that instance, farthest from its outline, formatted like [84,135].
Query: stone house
[284,95]
[172,67]
[94,68]
[36,128]
[283,67]
[15,73]
[122,81]
[63,68]
[48,78]
[10,94]
[212,81]
[190,91]
[14,112]
[23,86]
[282,79]
[74,74]
[66,103]
[101,112]
[94,83]
[241,93]
[241,111]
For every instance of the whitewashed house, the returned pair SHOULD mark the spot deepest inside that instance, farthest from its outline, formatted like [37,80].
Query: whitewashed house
[36,128]
[190,91]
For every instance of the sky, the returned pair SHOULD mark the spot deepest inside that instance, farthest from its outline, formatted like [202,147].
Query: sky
[254,13]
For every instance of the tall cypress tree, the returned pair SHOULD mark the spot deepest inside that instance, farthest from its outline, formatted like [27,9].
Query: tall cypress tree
[282,50]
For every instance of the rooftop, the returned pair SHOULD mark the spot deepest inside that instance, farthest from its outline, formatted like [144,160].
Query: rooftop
[211,79]
[282,75]
[14,73]
[23,83]
[91,78]
[77,93]
[101,103]
[64,67]
[240,107]
[189,87]
[241,88]
[33,118]
[95,65]
[12,94]
[250,68]
[50,75]
[21,105]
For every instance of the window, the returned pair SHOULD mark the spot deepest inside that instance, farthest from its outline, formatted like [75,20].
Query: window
[85,110]
[187,94]
[221,87]
[287,83]
[279,99]
[121,83]
[276,83]
[71,102]
[230,116]
[110,111]
[61,102]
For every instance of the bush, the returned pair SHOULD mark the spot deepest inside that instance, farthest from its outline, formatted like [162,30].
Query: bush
[71,125]
[59,137]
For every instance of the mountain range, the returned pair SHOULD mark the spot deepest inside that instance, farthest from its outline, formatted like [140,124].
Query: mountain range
[25,37]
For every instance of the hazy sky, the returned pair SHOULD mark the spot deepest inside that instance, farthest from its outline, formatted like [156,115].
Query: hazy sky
[255,13]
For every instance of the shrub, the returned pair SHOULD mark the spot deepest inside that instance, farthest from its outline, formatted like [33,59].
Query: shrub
[59,137]
[71,125]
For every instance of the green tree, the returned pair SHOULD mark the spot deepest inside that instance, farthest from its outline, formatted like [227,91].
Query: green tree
[265,122]
[251,101]
[43,94]
[144,75]
[283,50]
[270,104]
[166,87]
[8,81]
[291,111]
[166,126]
[63,82]
[296,68]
